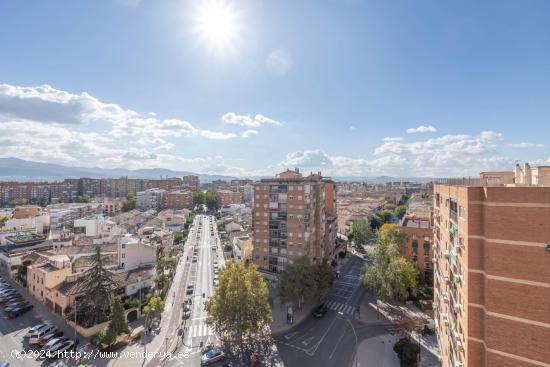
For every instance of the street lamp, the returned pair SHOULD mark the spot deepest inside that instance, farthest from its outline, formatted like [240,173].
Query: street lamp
[340,313]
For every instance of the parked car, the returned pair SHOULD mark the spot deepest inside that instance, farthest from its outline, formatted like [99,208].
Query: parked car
[12,306]
[195,258]
[55,350]
[19,311]
[35,338]
[214,355]
[190,289]
[320,311]
[12,299]
[5,294]
[34,329]
[186,312]
[53,342]
[43,340]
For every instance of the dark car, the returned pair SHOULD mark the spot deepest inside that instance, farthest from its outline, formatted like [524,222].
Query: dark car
[190,289]
[12,306]
[19,311]
[320,311]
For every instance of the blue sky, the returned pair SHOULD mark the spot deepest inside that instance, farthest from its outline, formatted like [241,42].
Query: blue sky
[340,86]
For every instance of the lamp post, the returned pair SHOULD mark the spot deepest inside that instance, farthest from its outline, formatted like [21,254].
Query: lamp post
[139,285]
[75,312]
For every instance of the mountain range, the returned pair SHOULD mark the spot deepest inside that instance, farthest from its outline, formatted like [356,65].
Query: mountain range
[15,169]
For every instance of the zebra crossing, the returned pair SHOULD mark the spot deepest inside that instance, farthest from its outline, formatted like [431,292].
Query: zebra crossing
[196,331]
[340,307]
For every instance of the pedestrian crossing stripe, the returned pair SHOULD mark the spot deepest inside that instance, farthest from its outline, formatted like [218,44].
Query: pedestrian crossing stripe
[200,330]
[340,307]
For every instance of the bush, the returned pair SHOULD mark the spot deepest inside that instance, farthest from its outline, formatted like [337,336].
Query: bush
[228,248]
[407,351]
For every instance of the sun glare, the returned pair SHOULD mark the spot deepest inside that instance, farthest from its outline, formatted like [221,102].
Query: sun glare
[217,25]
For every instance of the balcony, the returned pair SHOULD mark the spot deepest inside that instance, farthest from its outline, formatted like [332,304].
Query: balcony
[273,205]
[453,215]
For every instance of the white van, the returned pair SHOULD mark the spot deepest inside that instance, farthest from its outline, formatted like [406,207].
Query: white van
[35,337]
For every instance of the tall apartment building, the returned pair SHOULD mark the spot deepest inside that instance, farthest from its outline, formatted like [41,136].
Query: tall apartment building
[293,216]
[226,197]
[191,182]
[178,200]
[492,269]
[151,199]
[418,248]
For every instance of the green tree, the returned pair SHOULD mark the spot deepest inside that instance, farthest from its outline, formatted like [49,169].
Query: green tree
[360,233]
[404,199]
[178,237]
[407,352]
[400,211]
[98,285]
[84,198]
[211,200]
[21,275]
[391,277]
[239,310]
[118,324]
[297,281]
[153,308]
[198,198]
[323,275]
[380,218]
[130,203]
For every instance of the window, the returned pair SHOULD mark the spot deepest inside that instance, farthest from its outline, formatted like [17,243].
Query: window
[123,245]
[122,265]
[123,255]
[461,212]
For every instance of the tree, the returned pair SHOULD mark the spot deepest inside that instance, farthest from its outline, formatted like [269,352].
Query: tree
[400,211]
[118,324]
[324,279]
[198,198]
[391,277]
[407,352]
[211,200]
[239,311]
[178,237]
[98,285]
[21,275]
[297,281]
[129,204]
[153,308]
[404,199]
[84,198]
[360,233]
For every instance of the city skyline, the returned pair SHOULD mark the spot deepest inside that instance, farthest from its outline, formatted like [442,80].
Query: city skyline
[242,88]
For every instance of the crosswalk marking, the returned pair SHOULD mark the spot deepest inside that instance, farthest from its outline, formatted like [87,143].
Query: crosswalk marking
[340,307]
[200,330]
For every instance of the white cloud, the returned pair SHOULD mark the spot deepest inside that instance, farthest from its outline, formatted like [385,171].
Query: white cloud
[247,120]
[50,125]
[422,129]
[278,63]
[524,145]
[448,155]
[390,139]
[352,128]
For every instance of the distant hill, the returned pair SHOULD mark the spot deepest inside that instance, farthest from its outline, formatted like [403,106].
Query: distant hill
[15,169]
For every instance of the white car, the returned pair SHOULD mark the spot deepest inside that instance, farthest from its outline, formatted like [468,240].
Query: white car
[212,356]
[36,329]
[35,337]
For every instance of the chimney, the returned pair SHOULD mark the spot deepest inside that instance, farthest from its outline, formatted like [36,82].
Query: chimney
[527,173]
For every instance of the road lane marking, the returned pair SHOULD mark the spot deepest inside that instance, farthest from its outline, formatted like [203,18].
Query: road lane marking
[291,335]
[312,350]
[308,341]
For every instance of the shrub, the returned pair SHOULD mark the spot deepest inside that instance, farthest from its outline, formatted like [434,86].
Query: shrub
[407,352]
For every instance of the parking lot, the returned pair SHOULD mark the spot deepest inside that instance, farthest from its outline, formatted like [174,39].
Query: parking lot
[13,330]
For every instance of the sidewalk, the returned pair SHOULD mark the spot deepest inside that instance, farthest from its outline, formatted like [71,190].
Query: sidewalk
[165,340]
[279,312]
[377,312]
[377,352]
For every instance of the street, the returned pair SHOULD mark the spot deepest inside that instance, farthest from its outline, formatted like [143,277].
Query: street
[201,276]
[333,339]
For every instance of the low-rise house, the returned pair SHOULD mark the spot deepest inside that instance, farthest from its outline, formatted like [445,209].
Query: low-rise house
[20,245]
[133,252]
[44,275]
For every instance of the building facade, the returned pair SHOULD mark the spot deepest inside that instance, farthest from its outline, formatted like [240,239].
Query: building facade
[179,200]
[293,216]
[418,248]
[191,182]
[151,199]
[226,197]
[492,270]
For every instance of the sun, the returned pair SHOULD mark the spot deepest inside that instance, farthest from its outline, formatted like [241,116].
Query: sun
[218,25]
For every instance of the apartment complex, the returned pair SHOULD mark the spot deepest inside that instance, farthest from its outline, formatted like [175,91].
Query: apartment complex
[151,199]
[492,269]
[178,200]
[418,248]
[191,182]
[293,216]
[227,197]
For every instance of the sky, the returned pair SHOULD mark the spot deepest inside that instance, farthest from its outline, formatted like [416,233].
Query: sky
[423,88]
